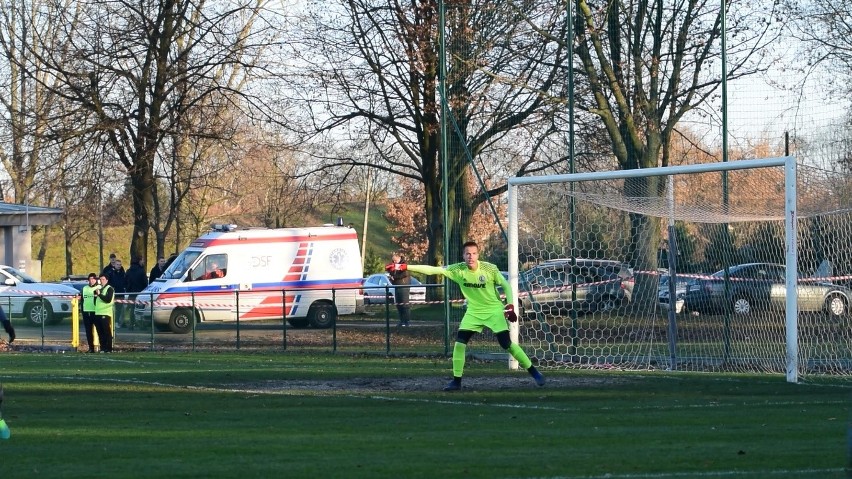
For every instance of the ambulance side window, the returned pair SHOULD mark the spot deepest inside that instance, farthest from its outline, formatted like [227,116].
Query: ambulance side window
[212,267]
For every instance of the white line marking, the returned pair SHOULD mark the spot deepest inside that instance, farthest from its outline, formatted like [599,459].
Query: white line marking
[670,475]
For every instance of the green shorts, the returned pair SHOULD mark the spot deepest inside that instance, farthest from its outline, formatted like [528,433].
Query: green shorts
[496,322]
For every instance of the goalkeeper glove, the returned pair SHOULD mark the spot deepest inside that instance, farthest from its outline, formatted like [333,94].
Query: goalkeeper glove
[396,267]
[509,313]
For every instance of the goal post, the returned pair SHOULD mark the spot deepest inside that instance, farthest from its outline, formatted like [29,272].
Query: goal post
[570,330]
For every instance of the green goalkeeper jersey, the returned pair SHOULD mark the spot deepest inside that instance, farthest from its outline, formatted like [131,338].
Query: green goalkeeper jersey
[478,286]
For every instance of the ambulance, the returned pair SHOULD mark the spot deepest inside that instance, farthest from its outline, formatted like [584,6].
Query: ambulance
[309,276]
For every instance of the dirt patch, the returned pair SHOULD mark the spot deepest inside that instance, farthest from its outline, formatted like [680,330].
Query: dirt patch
[433,383]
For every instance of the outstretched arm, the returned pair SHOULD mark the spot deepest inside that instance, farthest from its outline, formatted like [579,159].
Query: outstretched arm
[426,269]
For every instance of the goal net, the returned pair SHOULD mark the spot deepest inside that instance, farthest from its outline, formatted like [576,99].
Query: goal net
[736,266]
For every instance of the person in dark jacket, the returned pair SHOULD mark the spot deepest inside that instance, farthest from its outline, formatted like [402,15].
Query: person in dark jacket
[157,270]
[401,279]
[117,276]
[137,280]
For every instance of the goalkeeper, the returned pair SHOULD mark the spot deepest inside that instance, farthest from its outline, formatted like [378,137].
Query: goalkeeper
[477,280]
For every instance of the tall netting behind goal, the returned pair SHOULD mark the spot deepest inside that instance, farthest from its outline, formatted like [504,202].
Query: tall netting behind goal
[681,268]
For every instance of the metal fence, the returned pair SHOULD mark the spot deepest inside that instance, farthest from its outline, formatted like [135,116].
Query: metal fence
[373,329]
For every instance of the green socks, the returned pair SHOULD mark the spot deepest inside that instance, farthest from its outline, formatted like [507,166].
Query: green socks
[459,350]
[458,359]
[518,354]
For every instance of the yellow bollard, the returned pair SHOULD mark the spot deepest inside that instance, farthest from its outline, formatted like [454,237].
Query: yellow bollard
[96,343]
[75,323]
[75,328]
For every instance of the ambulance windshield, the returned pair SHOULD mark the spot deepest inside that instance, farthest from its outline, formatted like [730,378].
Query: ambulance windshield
[180,264]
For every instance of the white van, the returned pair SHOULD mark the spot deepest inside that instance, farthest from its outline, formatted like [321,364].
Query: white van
[308,275]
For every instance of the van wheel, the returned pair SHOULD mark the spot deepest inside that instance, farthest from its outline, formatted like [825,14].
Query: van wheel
[298,323]
[180,322]
[37,311]
[322,316]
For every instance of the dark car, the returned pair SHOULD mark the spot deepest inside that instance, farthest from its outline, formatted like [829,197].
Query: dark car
[761,286]
[550,286]
[76,281]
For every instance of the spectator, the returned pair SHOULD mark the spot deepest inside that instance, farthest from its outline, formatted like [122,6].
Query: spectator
[402,280]
[170,260]
[117,277]
[137,280]
[104,299]
[89,318]
[157,270]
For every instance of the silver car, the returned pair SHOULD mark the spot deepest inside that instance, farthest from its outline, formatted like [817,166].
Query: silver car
[21,295]
[378,290]
[556,287]
[761,286]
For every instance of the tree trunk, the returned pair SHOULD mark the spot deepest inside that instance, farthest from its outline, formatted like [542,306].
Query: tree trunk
[142,180]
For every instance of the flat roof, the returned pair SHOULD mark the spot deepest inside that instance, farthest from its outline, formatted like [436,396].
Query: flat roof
[14,214]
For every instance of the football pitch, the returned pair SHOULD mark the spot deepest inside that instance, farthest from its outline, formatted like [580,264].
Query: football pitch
[248,415]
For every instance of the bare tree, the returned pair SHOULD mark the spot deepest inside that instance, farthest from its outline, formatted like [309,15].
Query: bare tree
[370,77]
[271,195]
[33,112]
[648,64]
[77,190]
[159,77]
[824,30]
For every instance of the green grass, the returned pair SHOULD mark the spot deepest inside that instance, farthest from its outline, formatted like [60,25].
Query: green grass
[318,416]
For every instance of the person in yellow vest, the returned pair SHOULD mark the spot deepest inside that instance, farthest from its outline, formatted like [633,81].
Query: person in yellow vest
[89,319]
[104,299]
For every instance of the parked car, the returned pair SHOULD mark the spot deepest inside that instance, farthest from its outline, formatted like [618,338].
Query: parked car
[547,287]
[21,295]
[76,281]
[761,286]
[378,289]
[663,293]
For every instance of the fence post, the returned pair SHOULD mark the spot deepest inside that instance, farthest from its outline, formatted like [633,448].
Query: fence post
[193,318]
[151,327]
[284,318]
[43,320]
[334,324]
[387,321]
[237,301]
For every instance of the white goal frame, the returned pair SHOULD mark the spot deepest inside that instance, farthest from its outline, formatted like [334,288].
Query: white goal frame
[790,220]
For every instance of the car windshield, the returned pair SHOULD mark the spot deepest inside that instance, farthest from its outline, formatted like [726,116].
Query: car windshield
[721,272]
[19,276]
[180,264]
